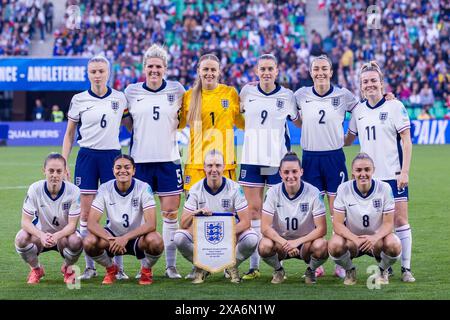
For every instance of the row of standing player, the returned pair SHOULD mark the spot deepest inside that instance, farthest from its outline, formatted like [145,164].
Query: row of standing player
[155,109]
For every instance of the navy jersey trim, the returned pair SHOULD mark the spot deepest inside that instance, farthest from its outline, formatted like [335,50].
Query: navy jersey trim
[371,190]
[326,94]
[60,193]
[163,85]
[128,191]
[299,192]
[399,150]
[379,103]
[108,92]
[208,189]
[277,88]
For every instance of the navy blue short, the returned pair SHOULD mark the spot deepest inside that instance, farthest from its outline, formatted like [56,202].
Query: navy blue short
[92,166]
[399,195]
[131,247]
[165,178]
[325,170]
[54,248]
[258,176]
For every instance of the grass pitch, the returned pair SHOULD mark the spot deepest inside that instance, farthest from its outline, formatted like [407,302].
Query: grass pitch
[429,218]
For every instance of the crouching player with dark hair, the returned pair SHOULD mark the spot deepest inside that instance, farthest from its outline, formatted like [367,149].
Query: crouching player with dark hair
[49,219]
[130,226]
[293,222]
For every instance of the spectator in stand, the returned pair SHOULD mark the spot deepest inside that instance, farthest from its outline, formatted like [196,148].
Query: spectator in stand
[57,115]
[426,96]
[49,13]
[39,110]
[414,98]
[425,114]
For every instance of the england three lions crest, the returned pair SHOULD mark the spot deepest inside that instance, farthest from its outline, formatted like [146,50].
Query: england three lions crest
[115,105]
[335,102]
[225,103]
[171,98]
[280,104]
[214,232]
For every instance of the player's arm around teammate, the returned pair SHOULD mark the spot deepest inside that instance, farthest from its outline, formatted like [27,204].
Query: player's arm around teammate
[363,222]
[215,193]
[49,219]
[293,222]
[379,123]
[131,222]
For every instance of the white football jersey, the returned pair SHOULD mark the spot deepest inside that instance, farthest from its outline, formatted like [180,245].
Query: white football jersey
[378,131]
[364,215]
[52,214]
[124,212]
[98,118]
[229,198]
[155,121]
[323,117]
[266,135]
[294,218]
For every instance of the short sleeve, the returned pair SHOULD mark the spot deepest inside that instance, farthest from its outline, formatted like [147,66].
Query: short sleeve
[239,121]
[293,111]
[99,200]
[318,207]
[401,118]
[30,206]
[240,203]
[191,203]
[297,97]
[269,202]
[147,198]
[352,127]
[339,204]
[242,97]
[74,110]
[389,202]
[350,101]
[75,204]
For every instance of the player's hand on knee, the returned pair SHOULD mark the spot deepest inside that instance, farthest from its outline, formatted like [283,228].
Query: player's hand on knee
[294,253]
[204,211]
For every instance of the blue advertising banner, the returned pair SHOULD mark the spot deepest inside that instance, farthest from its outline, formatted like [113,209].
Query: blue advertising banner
[54,74]
[52,134]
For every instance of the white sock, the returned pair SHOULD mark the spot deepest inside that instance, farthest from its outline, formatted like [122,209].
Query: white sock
[150,260]
[71,257]
[170,248]
[273,261]
[118,261]
[103,260]
[246,246]
[255,258]
[83,233]
[29,254]
[344,261]
[315,263]
[404,233]
[387,261]
[185,244]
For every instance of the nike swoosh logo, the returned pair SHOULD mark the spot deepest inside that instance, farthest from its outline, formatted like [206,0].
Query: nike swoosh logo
[111,204]
[251,100]
[140,99]
[360,118]
[89,107]
[400,192]
[42,205]
[352,204]
[200,203]
[308,101]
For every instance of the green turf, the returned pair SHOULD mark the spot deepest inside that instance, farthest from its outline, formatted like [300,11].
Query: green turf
[429,218]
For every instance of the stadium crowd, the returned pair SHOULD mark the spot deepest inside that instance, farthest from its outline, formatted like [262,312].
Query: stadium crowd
[412,44]
[20,20]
